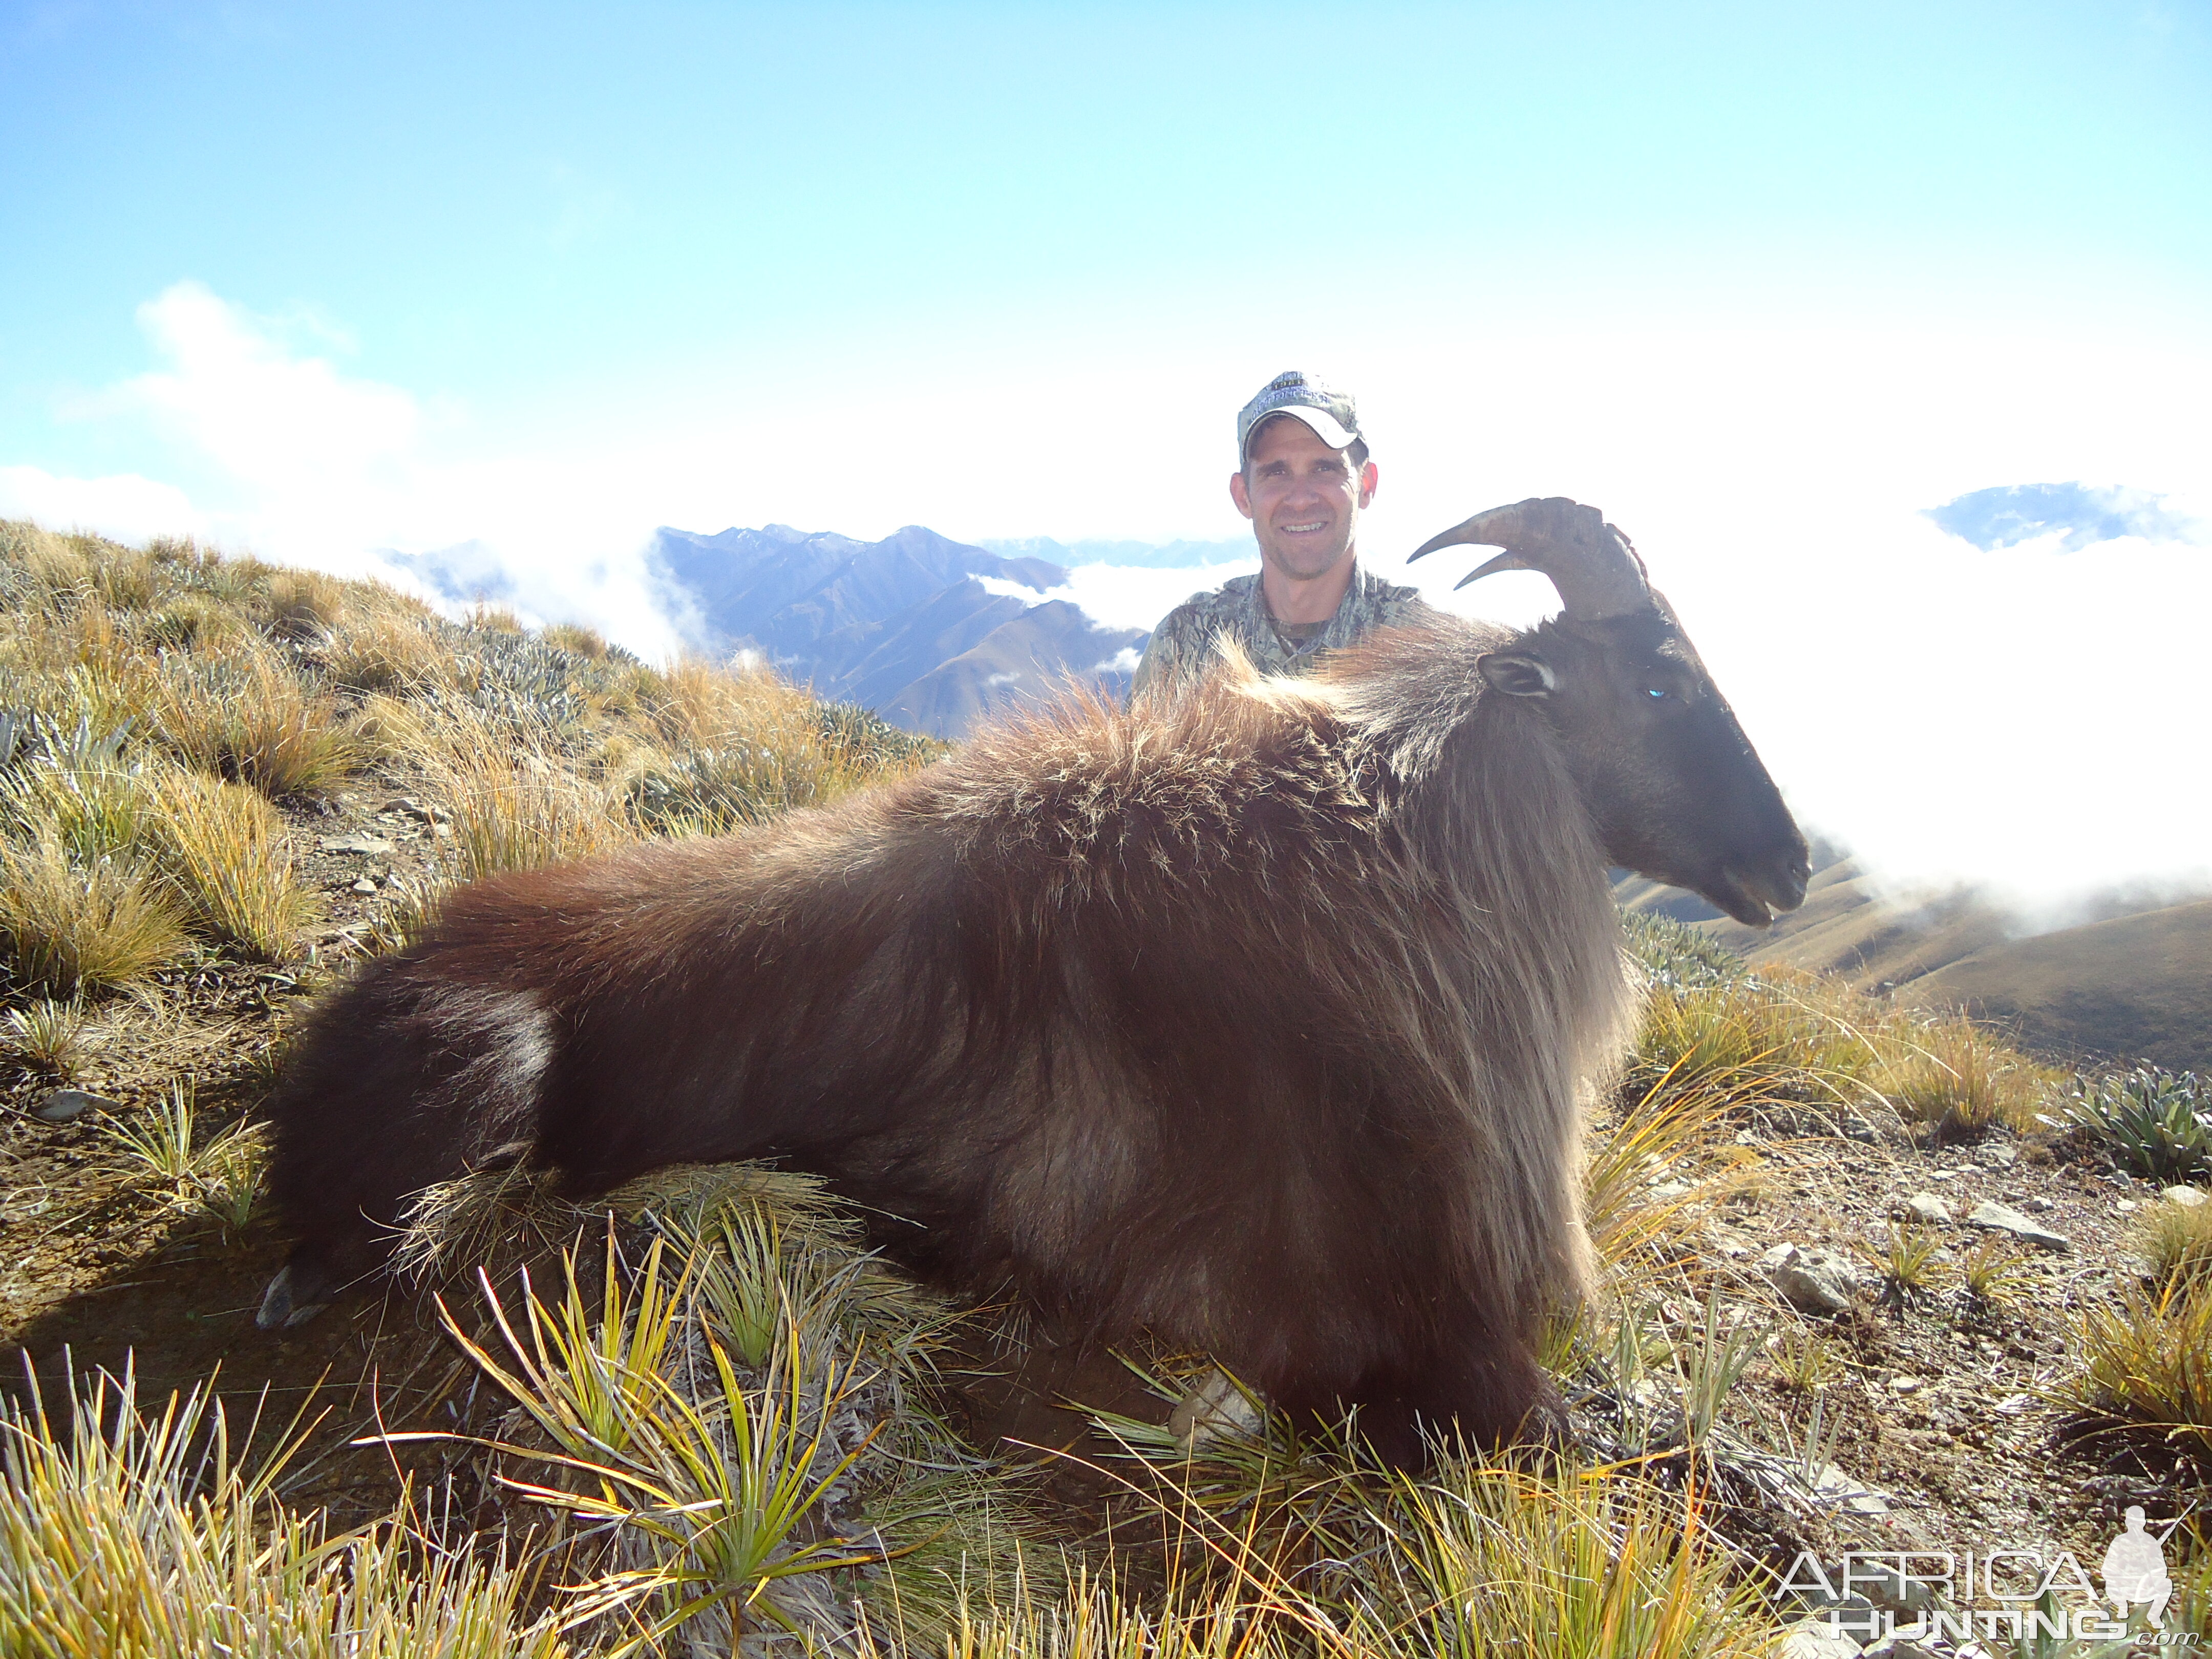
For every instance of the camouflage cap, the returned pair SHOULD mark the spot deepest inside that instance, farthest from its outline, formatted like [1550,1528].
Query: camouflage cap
[1332,414]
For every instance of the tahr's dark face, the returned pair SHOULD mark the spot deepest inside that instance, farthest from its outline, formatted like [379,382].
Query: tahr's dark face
[1676,789]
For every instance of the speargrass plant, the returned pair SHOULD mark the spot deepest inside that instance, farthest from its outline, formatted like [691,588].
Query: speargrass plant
[1908,1263]
[46,1034]
[221,1174]
[722,1498]
[2156,1122]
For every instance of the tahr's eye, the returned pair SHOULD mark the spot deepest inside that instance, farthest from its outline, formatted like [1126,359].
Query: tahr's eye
[1655,691]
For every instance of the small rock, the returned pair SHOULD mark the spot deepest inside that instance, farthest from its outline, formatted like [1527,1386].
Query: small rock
[1214,1408]
[1668,1189]
[1897,1647]
[1858,1497]
[364,885]
[1995,1158]
[1929,1208]
[2003,1219]
[1815,1281]
[2039,1204]
[61,1105]
[1812,1638]
[1905,1384]
[2124,1205]
[372,847]
[2188,1197]
[1857,1128]
[415,808]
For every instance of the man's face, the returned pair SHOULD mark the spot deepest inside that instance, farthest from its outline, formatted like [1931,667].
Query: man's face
[1302,497]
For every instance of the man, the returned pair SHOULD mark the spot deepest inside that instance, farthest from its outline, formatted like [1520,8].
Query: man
[1303,477]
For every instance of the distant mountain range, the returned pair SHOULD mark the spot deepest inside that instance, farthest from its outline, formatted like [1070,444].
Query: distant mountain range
[931,633]
[906,626]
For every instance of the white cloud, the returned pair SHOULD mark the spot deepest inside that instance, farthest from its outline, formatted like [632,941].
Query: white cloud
[289,426]
[1129,596]
[126,507]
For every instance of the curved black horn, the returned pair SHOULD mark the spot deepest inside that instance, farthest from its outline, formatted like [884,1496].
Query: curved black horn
[1592,564]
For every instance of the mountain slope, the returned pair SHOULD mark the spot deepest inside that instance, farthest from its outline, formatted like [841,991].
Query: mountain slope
[905,626]
[2135,986]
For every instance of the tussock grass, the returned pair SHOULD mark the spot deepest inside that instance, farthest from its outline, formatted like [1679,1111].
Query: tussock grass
[69,927]
[2175,1242]
[388,642]
[520,809]
[750,748]
[1780,1035]
[2147,1359]
[1958,1079]
[587,642]
[138,1535]
[195,622]
[302,604]
[225,851]
[250,718]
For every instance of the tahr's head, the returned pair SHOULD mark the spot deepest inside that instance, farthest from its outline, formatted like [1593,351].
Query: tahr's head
[1675,788]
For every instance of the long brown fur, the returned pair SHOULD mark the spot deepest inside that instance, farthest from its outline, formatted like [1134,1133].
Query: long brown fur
[1264,1021]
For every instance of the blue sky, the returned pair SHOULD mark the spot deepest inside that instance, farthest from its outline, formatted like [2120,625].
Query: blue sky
[1766,282]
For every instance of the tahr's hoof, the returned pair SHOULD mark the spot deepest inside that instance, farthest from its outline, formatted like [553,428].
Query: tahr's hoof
[289,1302]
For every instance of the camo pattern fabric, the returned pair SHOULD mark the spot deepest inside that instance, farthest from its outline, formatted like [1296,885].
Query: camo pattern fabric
[1181,646]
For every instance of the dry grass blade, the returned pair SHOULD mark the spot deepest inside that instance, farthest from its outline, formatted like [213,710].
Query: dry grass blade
[135,1536]
[252,720]
[1581,1566]
[69,927]
[223,847]
[2148,1360]
[2175,1240]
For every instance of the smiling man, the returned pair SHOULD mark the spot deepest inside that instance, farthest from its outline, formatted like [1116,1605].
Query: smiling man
[1302,478]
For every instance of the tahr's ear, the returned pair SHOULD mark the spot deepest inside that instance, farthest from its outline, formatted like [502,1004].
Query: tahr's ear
[1517,676]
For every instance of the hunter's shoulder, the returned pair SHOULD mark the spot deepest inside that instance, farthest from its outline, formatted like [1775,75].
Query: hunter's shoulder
[1209,605]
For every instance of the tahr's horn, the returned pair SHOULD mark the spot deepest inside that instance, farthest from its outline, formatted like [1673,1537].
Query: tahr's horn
[1592,564]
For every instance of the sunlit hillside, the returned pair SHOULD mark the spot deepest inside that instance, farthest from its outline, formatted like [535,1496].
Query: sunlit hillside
[1872,1279]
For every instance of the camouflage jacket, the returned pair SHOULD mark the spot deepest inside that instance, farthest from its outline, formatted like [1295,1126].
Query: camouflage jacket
[1181,646]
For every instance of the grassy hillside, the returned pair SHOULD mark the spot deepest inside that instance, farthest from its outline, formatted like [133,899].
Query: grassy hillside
[698,1414]
[2138,985]
[2135,985]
